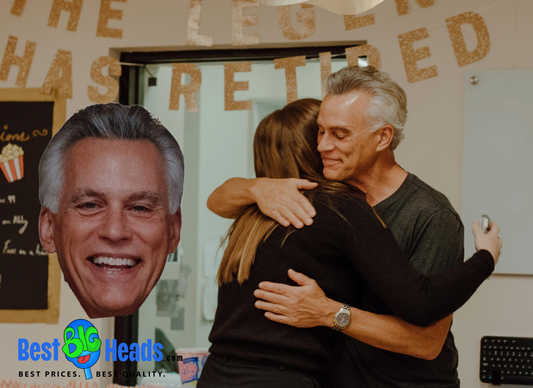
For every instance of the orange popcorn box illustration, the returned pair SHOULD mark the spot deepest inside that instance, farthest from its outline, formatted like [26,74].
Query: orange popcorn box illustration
[12,162]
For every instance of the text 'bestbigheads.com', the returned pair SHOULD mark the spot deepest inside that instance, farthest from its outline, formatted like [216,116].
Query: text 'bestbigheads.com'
[82,346]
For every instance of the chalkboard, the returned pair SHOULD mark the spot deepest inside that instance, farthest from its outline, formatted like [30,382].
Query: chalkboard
[28,275]
[498,160]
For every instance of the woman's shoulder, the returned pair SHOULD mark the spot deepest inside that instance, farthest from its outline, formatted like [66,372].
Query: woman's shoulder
[339,198]
[345,203]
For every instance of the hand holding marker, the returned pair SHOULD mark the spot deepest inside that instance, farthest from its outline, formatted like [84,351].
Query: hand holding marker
[486,236]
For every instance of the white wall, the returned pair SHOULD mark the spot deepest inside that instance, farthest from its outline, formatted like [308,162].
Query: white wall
[434,134]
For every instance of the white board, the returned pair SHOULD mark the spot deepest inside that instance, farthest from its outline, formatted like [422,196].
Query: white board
[498,162]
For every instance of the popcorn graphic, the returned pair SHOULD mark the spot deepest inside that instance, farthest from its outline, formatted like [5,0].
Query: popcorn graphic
[12,162]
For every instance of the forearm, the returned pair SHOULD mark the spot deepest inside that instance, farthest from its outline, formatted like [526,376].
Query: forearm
[389,332]
[232,197]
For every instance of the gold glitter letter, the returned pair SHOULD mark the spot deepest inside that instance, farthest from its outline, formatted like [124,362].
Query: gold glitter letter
[465,57]
[109,82]
[351,22]
[306,16]
[411,56]
[367,50]
[18,7]
[107,13]
[325,69]
[62,63]
[403,7]
[193,39]
[240,20]
[290,65]
[74,7]
[188,90]
[24,62]
[231,86]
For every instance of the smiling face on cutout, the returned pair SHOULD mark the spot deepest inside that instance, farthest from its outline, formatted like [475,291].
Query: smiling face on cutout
[113,229]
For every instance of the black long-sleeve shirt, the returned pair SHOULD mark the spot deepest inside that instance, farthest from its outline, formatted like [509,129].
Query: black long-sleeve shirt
[343,248]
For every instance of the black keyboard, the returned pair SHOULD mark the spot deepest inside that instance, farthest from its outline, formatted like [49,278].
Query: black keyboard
[506,360]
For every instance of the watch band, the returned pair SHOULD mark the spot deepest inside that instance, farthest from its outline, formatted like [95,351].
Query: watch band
[341,320]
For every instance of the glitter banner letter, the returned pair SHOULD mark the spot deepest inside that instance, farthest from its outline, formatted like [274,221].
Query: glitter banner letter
[325,69]
[73,7]
[411,56]
[18,7]
[306,16]
[231,86]
[403,7]
[193,26]
[290,65]
[24,62]
[107,13]
[239,20]
[351,22]
[367,50]
[188,91]
[62,64]
[465,57]
[109,82]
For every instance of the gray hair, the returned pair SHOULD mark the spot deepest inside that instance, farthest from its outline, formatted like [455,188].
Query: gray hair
[114,122]
[389,105]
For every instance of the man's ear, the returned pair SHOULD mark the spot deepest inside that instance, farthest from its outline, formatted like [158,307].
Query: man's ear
[175,231]
[46,230]
[386,134]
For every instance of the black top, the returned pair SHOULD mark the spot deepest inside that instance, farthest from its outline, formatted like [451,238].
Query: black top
[430,233]
[338,251]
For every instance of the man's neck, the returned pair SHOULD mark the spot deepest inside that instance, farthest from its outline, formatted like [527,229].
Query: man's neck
[379,183]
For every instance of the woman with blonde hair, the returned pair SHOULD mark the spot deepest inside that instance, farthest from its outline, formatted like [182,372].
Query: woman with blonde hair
[346,242]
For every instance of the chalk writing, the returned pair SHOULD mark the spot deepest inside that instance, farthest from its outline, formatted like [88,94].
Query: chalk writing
[10,199]
[7,250]
[20,220]
[17,136]
[40,251]
[21,136]
[36,133]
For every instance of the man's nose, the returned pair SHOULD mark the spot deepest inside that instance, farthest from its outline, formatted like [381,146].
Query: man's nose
[324,143]
[115,226]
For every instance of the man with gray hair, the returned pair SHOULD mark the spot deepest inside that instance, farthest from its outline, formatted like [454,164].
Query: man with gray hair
[111,182]
[361,122]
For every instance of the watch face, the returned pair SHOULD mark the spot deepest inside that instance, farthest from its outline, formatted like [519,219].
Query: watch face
[343,319]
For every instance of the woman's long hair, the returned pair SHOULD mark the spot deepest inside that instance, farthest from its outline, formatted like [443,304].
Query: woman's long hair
[285,146]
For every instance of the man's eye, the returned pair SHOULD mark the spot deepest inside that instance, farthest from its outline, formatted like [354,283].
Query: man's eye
[339,136]
[87,206]
[140,209]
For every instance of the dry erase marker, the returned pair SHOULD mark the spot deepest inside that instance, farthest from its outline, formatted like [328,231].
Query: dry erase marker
[484,223]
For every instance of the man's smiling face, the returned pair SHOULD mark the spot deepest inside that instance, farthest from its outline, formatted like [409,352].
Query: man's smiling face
[113,229]
[347,147]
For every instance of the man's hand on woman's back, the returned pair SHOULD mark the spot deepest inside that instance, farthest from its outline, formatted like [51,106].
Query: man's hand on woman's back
[279,199]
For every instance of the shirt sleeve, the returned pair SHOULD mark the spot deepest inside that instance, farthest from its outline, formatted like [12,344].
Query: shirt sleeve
[416,298]
[439,243]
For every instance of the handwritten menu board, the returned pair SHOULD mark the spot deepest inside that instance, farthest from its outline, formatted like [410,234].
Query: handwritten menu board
[26,269]
[25,130]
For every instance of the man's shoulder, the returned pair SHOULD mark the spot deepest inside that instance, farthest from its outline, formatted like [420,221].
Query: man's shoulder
[424,199]
[413,208]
